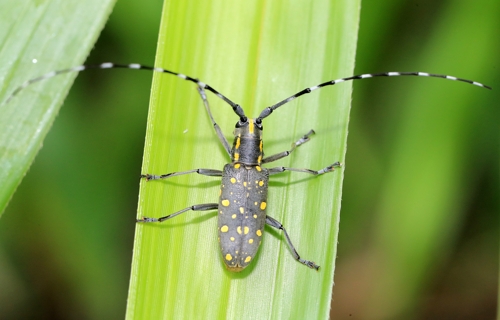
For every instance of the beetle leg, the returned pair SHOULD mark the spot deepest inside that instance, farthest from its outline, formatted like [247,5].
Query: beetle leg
[218,131]
[330,168]
[283,154]
[276,224]
[197,207]
[205,172]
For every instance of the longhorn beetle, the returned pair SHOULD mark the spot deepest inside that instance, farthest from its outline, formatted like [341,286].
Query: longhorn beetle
[243,194]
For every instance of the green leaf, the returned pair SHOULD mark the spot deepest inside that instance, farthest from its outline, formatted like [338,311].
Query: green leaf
[426,139]
[256,54]
[38,37]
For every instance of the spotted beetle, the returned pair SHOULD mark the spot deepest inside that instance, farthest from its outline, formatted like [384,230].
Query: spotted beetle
[243,194]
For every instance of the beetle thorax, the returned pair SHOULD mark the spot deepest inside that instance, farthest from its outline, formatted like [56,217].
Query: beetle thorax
[247,146]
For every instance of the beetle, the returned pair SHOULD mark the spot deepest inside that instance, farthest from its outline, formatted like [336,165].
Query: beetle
[244,182]
[243,193]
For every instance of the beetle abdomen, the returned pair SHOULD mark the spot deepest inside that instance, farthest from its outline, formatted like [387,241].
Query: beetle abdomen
[242,213]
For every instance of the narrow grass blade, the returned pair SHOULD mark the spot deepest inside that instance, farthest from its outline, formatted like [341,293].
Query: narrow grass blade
[36,38]
[256,54]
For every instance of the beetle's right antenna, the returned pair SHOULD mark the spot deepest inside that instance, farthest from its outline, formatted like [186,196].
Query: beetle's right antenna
[267,111]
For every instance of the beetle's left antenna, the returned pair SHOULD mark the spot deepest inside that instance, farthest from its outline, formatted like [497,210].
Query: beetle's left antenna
[109,65]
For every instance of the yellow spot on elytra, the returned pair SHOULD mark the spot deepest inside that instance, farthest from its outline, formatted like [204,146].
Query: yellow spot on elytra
[260,146]
[242,210]
[258,168]
[237,156]
[237,166]
[250,241]
[251,126]
[259,159]
[246,230]
[237,143]
[229,257]
[247,259]
[244,183]
[239,230]
[232,238]
[261,183]
[255,203]
[233,216]
[255,216]
[259,233]
[233,180]
[225,203]
[263,205]
[224,228]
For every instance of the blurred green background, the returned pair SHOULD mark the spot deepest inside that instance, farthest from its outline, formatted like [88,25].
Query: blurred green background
[419,221]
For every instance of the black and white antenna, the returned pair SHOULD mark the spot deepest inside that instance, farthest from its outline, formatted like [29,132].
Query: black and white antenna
[236,107]
[266,112]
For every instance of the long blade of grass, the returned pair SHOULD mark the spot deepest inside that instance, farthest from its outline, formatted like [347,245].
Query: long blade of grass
[420,215]
[36,38]
[255,53]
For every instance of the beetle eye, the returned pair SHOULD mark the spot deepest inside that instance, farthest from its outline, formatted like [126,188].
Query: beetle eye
[241,124]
